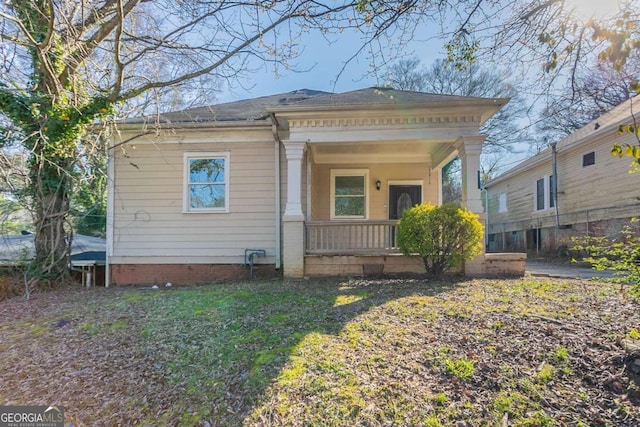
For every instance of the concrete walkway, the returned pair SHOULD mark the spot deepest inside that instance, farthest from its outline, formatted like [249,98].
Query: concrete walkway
[547,269]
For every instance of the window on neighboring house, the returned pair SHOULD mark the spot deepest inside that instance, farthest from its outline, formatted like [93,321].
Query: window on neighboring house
[349,193]
[206,182]
[552,195]
[540,194]
[502,203]
[589,159]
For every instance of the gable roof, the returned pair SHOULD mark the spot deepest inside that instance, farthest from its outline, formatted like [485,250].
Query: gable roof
[606,123]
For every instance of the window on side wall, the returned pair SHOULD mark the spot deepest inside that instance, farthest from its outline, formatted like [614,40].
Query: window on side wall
[502,203]
[206,182]
[539,194]
[552,189]
[349,193]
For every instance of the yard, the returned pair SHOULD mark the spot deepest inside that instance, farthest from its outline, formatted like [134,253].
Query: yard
[405,352]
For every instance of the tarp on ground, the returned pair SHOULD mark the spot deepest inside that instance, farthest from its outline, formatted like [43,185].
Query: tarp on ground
[16,248]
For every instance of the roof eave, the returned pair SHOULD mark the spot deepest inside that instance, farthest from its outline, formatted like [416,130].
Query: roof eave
[199,125]
[475,102]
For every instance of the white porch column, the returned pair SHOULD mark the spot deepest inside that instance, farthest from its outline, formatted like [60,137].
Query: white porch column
[293,219]
[469,148]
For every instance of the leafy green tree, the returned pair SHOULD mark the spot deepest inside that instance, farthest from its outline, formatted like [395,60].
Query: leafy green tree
[443,236]
[620,254]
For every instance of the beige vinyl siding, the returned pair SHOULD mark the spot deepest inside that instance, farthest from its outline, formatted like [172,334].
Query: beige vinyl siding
[378,200]
[150,225]
[607,183]
[605,189]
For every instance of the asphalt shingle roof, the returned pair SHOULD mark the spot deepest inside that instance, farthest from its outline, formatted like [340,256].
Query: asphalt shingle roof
[244,110]
[257,109]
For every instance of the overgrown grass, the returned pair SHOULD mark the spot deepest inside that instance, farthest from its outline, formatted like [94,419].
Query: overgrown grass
[329,352]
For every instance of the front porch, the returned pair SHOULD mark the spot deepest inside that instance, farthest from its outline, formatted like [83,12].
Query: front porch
[365,248]
[350,170]
[355,248]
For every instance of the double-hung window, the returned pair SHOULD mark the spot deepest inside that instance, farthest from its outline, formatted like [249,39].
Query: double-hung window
[349,193]
[206,182]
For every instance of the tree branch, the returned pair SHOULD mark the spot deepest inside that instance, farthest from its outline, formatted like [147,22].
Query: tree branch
[206,70]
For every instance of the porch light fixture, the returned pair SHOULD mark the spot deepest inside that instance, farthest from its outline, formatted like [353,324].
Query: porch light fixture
[378,185]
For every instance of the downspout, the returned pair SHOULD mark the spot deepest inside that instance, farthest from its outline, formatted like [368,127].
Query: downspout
[554,172]
[278,237]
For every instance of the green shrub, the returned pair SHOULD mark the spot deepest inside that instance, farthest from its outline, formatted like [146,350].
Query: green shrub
[621,254]
[443,236]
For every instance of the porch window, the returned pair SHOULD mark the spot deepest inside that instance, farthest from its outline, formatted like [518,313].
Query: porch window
[349,193]
[206,182]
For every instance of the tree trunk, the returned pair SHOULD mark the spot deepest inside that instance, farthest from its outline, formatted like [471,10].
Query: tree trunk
[51,186]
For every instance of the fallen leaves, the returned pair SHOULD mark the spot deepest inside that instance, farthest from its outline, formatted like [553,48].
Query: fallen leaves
[358,352]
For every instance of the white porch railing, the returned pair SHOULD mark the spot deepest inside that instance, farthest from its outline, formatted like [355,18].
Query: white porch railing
[351,237]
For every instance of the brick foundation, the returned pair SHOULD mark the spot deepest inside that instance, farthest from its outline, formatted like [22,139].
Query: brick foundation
[183,274]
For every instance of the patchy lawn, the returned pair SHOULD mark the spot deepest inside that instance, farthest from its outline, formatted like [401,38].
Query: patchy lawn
[328,352]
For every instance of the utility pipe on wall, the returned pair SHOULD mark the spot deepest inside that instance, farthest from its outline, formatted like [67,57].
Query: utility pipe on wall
[278,234]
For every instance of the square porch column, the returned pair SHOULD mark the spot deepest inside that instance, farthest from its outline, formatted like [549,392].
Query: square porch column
[469,149]
[293,219]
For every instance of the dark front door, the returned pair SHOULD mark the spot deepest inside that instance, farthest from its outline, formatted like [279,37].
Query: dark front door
[402,197]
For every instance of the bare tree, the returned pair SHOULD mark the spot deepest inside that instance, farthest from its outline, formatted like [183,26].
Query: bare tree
[595,93]
[442,77]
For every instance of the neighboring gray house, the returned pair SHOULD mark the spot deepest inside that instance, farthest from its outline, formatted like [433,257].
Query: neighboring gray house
[534,209]
[311,182]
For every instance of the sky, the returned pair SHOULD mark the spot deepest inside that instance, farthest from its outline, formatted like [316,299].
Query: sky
[319,65]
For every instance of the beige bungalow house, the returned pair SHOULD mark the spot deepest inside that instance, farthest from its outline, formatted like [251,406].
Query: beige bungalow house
[310,183]
[573,188]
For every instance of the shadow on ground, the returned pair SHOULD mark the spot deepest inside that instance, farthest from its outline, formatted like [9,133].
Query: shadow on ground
[178,356]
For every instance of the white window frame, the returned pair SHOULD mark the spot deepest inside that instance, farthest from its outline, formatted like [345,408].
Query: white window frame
[349,172]
[502,202]
[186,205]
[545,194]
